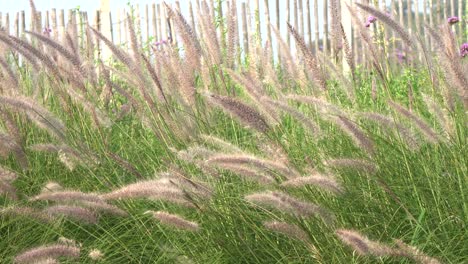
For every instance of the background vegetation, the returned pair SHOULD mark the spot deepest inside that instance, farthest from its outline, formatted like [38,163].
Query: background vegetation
[200,153]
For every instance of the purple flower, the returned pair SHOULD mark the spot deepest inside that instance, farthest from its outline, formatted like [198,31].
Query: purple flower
[401,56]
[370,20]
[464,50]
[161,42]
[47,31]
[453,20]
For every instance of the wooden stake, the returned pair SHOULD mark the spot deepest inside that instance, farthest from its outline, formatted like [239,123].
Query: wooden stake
[268,23]
[288,19]
[410,14]
[61,25]
[53,17]
[23,22]
[325,26]
[147,23]
[301,19]
[245,36]
[7,23]
[309,24]
[16,25]
[296,16]
[257,21]
[416,15]
[118,30]
[278,24]
[316,25]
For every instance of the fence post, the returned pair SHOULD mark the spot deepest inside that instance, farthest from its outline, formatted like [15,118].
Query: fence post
[61,24]
[158,19]
[268,22]
[138,25]
[347,26]
[249,26]
[393,13]
[7,23]
[309,29]
[288,19]
[445,10]
[438,11]
[410,14]
[47,21]
[257,22]
[124,27]
[245,30]
[278,25]
[105,27]
[16,25]
[296,16]
[325,26]
[301,19]
[416,14]
[316,26]
[147,22]
[118,30]
[452,8]
[222,36]
[53,17]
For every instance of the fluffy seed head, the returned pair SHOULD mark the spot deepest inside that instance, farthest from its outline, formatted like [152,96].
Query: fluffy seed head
[175,221]
[362,245]
[47,252]
[74,212]
[284,202]
[290,230]
[324,182]
[95,254]
[413,253]
[356,164]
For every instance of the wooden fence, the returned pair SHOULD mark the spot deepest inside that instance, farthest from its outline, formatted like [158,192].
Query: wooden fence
[153,24]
